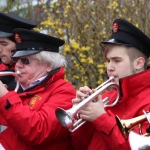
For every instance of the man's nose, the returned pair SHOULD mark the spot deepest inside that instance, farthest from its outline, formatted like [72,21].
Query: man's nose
[110,67]
[19,64]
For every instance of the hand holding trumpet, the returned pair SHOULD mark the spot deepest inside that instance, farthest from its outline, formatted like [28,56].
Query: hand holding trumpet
[92,110]
[88,106]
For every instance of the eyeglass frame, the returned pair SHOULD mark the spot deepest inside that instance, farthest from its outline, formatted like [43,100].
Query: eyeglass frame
[24,60]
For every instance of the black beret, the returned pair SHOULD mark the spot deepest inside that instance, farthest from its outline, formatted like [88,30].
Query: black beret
[125,33]
[29,42]
[8,22]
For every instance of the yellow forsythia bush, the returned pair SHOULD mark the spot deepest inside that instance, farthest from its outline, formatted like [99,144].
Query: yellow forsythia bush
[83,24]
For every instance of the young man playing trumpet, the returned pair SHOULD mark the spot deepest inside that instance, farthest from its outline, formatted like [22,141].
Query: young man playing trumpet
[126,52]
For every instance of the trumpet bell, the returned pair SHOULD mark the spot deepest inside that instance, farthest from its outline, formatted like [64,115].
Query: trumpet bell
[122,127]
[64,118]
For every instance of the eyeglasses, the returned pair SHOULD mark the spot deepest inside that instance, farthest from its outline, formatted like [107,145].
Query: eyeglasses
[25,61]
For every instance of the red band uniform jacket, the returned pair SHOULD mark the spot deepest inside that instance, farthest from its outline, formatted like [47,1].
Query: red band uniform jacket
[4,67]
[28,120]
[103,133]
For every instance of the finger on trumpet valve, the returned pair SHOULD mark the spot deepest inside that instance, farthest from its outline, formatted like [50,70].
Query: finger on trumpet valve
[82,98]
[74,102]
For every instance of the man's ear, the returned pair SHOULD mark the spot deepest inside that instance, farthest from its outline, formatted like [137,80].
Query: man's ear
[49,68]
[139,63]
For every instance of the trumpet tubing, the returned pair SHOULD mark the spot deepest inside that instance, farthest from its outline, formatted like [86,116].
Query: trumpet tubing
[11,73]
[68,117]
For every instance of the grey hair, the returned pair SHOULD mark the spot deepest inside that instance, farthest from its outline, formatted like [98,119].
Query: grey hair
[54,59]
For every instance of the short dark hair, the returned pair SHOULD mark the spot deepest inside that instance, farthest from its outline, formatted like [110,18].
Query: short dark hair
[11,38]
[134,53]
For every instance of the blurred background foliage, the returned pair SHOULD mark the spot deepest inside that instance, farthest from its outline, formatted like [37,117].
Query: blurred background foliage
[83,24]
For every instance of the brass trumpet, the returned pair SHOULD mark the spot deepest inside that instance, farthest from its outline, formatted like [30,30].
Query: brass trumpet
[126,126]
[68,118]
[11,73]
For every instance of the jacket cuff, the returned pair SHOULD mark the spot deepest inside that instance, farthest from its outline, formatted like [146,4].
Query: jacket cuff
[10,98]
[105,123]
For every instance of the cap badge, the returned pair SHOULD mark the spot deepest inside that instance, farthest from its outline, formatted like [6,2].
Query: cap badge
[115,27]
[17,38]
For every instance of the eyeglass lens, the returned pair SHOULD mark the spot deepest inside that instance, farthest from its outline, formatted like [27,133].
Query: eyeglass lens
[24,61]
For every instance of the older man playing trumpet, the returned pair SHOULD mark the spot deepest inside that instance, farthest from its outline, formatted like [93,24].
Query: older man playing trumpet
[29,115]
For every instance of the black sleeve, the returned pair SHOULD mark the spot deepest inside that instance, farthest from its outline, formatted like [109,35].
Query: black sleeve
[8,80]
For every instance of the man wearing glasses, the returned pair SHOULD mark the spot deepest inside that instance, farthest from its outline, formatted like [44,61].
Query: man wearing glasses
[30,115]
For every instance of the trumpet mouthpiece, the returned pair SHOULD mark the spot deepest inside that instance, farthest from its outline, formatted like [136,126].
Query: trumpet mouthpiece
[18,72]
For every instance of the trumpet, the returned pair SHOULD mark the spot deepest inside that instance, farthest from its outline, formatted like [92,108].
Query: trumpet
[11,73]
[69,118]
[126,126]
